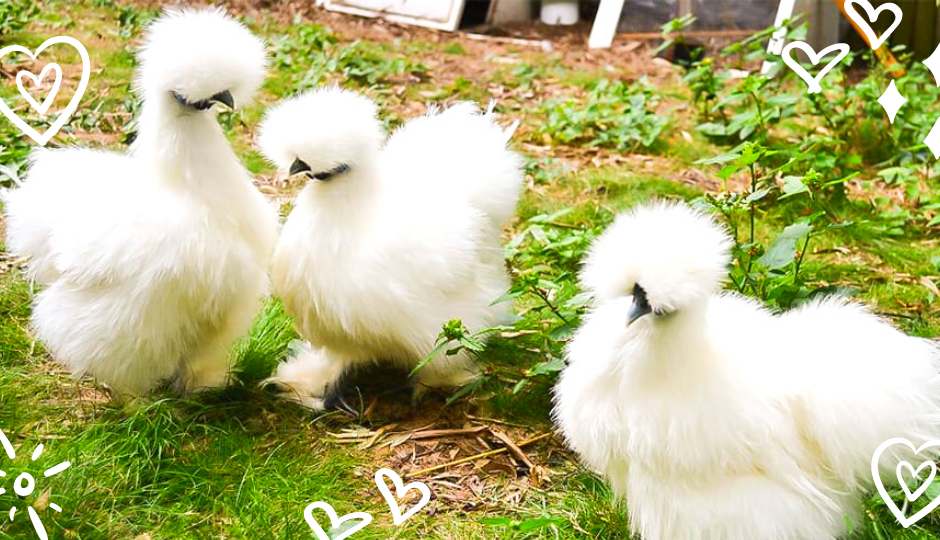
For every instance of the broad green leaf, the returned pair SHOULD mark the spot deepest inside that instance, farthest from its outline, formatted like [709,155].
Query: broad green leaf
[726,172]
[793,185]
[546,368]
[719,159]
[783,249]
[757,195]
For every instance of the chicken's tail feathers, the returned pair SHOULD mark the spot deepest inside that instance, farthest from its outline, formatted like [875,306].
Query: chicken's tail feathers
[507,132]
[6,193]
[511,130]
[466,148]
[819,496]
[12,172]
[53,186]
[434,109]
[491,107]
[28,207]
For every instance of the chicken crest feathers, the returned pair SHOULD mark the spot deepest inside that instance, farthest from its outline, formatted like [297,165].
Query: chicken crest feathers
[197,53]
[677,254]
[324,128]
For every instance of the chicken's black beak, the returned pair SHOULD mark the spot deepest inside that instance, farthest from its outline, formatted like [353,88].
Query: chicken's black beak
[641,305]
[224,98]
[298,167]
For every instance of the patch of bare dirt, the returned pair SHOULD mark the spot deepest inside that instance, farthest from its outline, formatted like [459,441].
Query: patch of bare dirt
[631,59]
[467,458]
[468,463]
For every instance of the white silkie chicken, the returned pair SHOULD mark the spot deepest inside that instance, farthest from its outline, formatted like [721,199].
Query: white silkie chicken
[718,420]
[153,263]
[385,245]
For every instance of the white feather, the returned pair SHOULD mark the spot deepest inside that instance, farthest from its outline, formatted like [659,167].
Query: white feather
[463,152]
[373,262]
[153,262]
[718,419]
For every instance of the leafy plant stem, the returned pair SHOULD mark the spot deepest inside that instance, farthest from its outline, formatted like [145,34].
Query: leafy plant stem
[538,292]
[753,206]
[799,260]
[760,113]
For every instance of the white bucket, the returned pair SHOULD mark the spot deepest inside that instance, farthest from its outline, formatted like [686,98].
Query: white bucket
[562,12]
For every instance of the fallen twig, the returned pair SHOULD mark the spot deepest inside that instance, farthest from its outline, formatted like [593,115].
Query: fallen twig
[513,447]
[437,433]
[479,456]
[353,435]
[371,408]
[378,435]
[496,420]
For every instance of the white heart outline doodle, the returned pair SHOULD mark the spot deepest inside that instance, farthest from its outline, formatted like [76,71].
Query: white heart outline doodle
[815,57]
[335,520]
[873,16]
[876,476]
[400,490]
[69,109]
[914,474]
[50,97]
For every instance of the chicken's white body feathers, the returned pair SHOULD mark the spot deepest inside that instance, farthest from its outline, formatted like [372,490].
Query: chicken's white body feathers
[373,263]
[142,277]
[755,427]
[152,263]
[724,421]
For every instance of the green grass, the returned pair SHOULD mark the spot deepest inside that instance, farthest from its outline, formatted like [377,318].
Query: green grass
[240,463]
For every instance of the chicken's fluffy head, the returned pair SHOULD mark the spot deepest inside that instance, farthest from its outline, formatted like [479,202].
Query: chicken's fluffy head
[667,256]
[196,58]
[323,134]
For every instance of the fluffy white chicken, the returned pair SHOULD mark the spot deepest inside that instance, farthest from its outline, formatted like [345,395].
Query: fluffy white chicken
[718,420]
[153,263]
[385,245]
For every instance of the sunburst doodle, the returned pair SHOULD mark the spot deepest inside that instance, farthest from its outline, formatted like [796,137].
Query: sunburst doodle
[25,484]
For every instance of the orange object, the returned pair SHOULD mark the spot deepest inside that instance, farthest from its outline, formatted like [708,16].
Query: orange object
[883,54]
